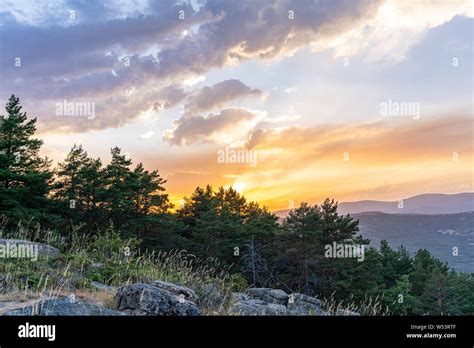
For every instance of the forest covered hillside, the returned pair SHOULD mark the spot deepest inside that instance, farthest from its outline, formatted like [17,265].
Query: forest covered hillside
[113,223]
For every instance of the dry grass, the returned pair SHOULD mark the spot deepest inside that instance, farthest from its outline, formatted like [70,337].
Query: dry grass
[103,259]
[369,307]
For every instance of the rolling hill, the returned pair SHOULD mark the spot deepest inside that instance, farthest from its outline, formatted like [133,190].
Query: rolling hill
[437,222]
[438,233]
[430,203]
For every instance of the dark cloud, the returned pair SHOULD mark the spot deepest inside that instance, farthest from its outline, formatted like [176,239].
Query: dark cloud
[85,58]
[169,97]
[59,45]
[219,94]
[227,125]
[260,29]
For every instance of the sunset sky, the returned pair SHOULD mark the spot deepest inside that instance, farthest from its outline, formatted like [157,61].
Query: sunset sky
[300,83]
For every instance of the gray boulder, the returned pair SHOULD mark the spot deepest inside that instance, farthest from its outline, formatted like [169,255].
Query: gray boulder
[62,306]
[148,299]
[268,295]
[257,307]
[211,296]
[346,312]
[178,290]
[239,296]
[266,301]
[18,247]
[301,304]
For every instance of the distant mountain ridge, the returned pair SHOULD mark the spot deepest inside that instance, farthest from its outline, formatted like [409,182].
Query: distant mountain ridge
[437,222]
[430,203]
[438,233]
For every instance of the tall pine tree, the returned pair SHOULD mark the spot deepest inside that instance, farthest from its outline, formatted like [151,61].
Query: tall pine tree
[119,195]
[79,189]
[24,175]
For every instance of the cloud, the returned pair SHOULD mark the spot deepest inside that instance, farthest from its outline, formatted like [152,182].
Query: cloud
[36,12]
[87,58]
[94,60]
[226,127]
[146,135]
[193,80]
[218,95]
[396,27]
[169,97]
[259,29]
[378,143]
[110,111]
[41,45]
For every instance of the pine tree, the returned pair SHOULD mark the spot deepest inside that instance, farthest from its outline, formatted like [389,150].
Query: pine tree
[308,229]
[92,189]
[150,203]
[79,190]
[221,223]
[69,181]
[400,299]
[147,192]
[24,175]
[118,183]
[196,208]
[437,294]
[423,266]
[395,263]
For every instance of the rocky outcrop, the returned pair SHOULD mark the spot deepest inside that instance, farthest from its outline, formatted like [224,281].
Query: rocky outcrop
[257,307]
[346,312]
[268,295]
[178,290]
[301,304]
[157,298]
[160,298]
[266,301]
[13,248]
[62,306]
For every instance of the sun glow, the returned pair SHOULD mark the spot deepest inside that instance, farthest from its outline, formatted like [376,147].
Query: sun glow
[239,186]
